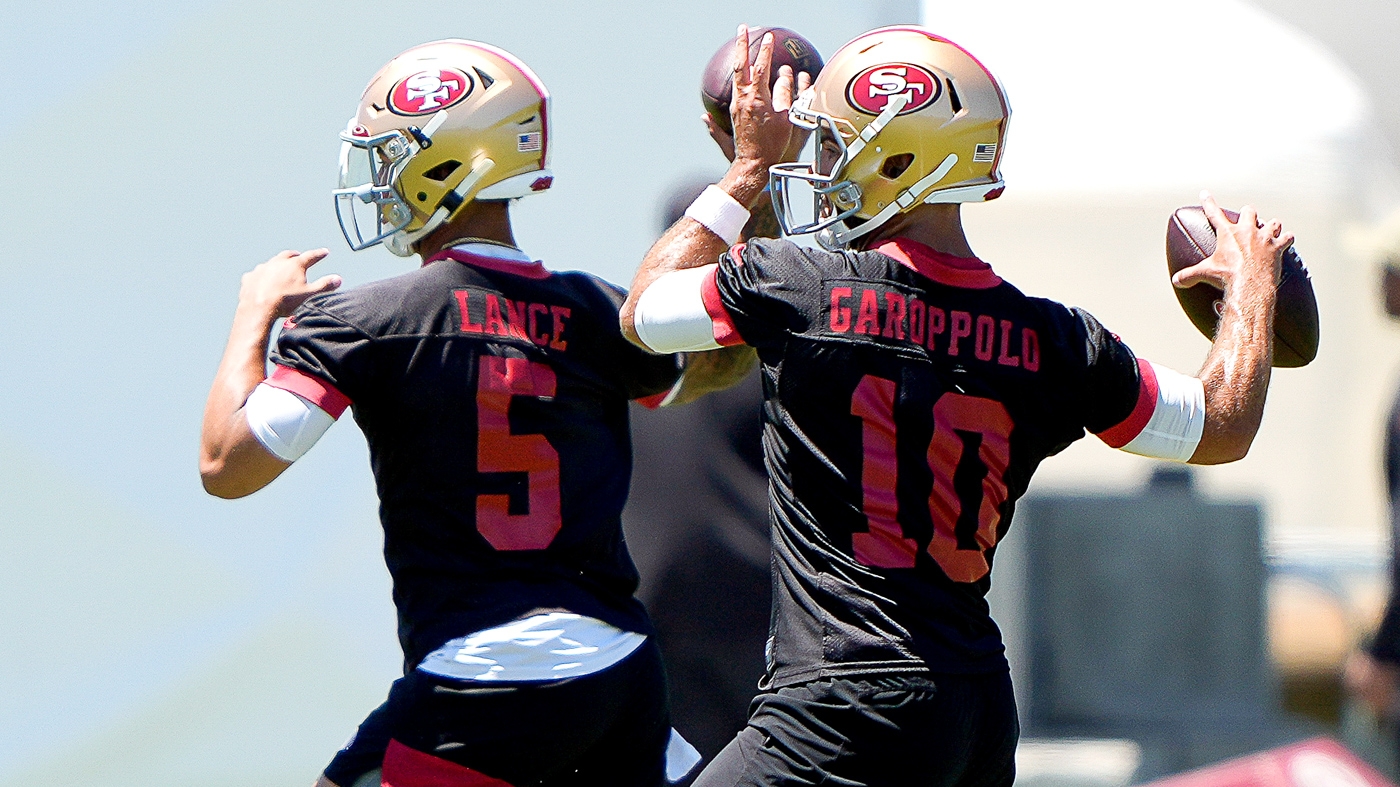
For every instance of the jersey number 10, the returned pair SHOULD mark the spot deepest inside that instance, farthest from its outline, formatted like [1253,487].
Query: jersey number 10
[968,455]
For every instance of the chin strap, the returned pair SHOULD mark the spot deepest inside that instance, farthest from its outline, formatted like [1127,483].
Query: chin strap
[401,243]
[834,239]
[842,238]
[890,112]
[977,193]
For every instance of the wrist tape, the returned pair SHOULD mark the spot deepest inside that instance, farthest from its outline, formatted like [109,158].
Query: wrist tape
[720,213]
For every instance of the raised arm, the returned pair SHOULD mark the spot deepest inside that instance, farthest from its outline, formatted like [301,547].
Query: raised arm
[762,137]
[232,461]
[1235,374]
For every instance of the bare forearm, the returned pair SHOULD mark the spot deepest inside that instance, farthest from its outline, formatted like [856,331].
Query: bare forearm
[1236,372]
[714,370]
[688,243]
[244,363]
[232,463]
[764,222]
[225,452]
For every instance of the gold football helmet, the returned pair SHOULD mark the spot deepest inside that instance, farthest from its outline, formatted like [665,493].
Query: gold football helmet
[903,118]
[442,124]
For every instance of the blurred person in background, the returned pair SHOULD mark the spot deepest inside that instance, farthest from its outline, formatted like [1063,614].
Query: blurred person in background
[493,396]
[697,526]
[1373,673]
[697,523]
[910,393]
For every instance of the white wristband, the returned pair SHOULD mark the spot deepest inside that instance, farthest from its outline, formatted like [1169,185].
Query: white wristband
[720,213]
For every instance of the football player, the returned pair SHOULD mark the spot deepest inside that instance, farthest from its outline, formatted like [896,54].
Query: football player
[910,394]
[493,394]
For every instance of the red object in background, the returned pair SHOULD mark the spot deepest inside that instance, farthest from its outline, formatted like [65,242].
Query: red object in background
[1320,762]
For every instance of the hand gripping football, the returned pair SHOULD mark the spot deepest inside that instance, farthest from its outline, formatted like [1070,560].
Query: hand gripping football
[789,49]
[1190,239]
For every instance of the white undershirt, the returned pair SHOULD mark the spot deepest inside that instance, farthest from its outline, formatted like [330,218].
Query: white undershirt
[284,423]
[671,315]
[495,251]
[1178,418]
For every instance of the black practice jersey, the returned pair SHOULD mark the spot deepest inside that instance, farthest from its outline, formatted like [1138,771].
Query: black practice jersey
[493,396]
[909,396]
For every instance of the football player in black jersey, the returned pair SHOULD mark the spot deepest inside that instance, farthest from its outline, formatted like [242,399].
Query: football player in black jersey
[493,394]
[910,393]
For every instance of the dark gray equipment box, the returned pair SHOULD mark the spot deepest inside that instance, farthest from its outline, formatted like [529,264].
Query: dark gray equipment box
[1146,621]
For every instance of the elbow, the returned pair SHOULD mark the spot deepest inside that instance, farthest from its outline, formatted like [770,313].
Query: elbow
[1231,423]
[1236,452]
[1222,451]
[217,481]
[626,320]
[1223,458]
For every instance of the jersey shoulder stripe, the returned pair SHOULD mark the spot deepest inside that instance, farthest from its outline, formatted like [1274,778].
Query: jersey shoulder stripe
[1123,432]
[725,332]
[311,388]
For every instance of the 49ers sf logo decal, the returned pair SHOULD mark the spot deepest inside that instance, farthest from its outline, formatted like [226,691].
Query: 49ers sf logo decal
[428,91]
[871,90]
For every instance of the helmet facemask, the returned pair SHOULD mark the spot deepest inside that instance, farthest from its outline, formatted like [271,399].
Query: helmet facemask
[441,125]
[367,203]
[369,196]
[905,118]
[834,200]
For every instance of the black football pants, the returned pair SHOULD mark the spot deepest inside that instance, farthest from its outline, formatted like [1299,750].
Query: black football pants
[894,731]
[609,728]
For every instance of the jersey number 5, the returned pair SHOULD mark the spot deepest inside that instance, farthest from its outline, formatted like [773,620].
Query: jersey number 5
[968,456]
[498,451]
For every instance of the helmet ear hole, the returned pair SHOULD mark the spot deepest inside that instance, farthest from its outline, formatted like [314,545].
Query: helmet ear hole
[443,171]
[895,166]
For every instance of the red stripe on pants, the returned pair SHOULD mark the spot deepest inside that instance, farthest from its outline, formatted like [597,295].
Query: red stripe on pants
[406,767]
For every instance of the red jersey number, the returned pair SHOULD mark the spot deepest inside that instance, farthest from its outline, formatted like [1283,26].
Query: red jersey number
[499,380]
[884,545]
[968,455]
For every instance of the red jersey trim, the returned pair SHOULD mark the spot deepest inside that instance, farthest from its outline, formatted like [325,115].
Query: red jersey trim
[529,270]
[1132,426]
[723,325]
[968,273]
[407,767]
[312,389]
[654,401]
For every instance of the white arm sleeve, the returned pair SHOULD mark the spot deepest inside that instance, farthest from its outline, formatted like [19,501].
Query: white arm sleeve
[286,424]
[671,315]
[1178,418]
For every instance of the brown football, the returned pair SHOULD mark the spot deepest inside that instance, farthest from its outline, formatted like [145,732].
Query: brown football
[717,84]
[1190,239]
